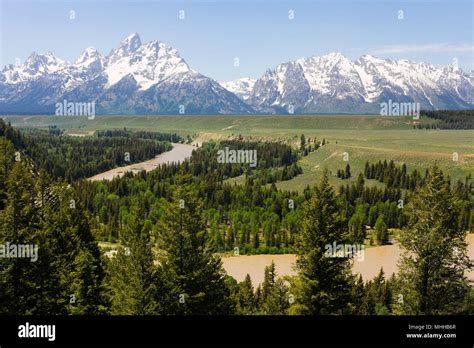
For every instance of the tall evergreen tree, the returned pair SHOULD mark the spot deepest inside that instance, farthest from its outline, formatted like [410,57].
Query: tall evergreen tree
[358,297]
[434,262]
[193,277]
[378,295]
[132,273]
[42,214]
[246,303]
[302,142]
[277,301]
[69,276]
[326,280]
[18,226]
[269,279]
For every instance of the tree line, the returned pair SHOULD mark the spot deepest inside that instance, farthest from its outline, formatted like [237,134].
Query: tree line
[73,158]
[448,119]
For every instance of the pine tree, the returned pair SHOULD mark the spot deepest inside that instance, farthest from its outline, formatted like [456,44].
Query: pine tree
[326,280]
[432,267]
[18,226]
[258,298]
[246,298]
[70,274]
[193,277]
[277,301]
[379,291]
[367,170]
[269,279]
[358,297]
[347,171]
[132,273]
[42,213]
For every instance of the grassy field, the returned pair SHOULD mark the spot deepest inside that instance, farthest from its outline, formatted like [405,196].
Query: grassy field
[364,138]
[281,126]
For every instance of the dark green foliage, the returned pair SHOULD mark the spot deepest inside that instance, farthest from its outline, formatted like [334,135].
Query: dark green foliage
[132,273]
[246,301]
[67,275]
[73,158]
[173,138]
[326,280]
[144,213]
[432,279]
[274,299]
[192,276]
[393,176]
[449,119]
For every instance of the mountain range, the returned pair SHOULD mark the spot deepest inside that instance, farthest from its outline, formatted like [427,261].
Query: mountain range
[152,78]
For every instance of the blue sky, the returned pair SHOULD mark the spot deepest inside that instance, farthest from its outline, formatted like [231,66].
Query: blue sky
[258,32]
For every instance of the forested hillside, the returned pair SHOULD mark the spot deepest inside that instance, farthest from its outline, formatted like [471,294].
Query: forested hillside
[74,158]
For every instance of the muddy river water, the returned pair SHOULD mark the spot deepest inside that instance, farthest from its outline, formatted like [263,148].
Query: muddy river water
[178,153]
[385,256]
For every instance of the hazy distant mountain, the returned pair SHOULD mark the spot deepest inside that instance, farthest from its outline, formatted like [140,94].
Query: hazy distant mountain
[152,78]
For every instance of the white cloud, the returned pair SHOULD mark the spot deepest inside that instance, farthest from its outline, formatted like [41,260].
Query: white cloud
[430,48]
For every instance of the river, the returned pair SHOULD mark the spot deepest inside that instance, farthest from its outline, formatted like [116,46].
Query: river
[178,153]
[385,256]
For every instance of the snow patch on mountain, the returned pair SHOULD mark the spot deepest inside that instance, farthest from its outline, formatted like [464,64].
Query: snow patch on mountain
[241,87]
[334,83]
[151,77]
[117,82]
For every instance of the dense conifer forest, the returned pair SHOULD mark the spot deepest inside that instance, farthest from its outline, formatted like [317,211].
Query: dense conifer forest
[449,119]
[173,224]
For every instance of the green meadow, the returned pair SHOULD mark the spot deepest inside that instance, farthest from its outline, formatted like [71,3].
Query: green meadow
[363,138]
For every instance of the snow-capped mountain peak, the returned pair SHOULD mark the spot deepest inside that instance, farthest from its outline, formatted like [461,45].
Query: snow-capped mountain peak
[148,63]
[35,66]
[135,77]
[152,77]
[90,60]
[334,83]
[43,62]
[127,46]
[90,53]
